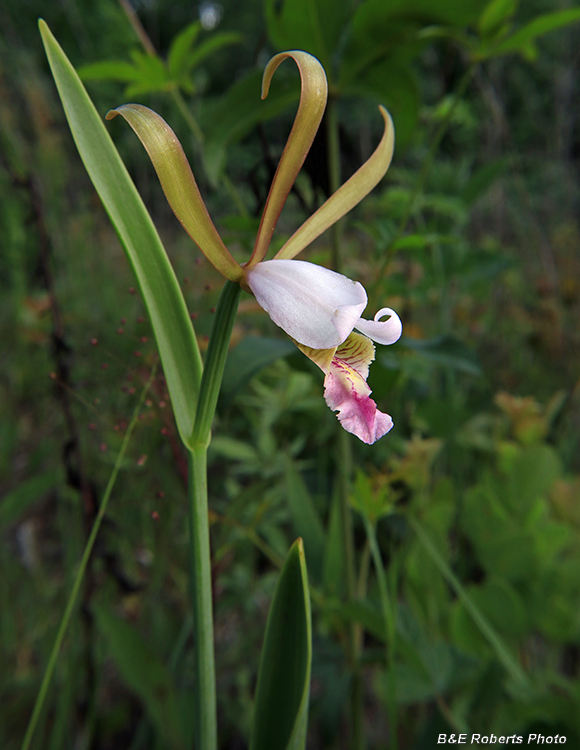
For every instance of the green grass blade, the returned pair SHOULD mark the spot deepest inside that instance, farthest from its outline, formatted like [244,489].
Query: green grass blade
[503,654]
[167,310]
[70,605]
[281,707]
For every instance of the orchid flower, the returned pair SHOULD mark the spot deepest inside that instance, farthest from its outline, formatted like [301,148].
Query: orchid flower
[318,308]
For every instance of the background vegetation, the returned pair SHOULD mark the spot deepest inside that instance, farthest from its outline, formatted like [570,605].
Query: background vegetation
[473,499]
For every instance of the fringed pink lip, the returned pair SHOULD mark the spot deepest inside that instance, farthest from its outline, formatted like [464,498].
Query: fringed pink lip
[346,391]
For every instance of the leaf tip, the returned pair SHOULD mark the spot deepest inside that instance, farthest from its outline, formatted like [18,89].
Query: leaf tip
[44,29]
[299,546]
[111,114]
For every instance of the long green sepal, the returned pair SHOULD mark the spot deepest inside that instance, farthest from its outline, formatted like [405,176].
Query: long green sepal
[165,304]
[281,706]
[347,196]
[313,95]
[215,361]
[178,183]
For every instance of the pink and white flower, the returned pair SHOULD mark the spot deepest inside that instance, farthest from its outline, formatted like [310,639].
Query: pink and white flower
[318,308]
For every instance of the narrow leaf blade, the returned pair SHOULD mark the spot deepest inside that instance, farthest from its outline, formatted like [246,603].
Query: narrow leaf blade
[281,707]
[169,318]
[181,48]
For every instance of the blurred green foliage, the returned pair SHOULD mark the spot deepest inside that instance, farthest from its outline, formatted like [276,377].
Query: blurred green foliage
[479,255]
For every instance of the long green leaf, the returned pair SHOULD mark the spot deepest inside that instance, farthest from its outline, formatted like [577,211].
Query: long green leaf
[169,318]
[281,707]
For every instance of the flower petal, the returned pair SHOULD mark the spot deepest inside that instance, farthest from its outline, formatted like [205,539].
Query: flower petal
[179,185]
[346,390]
[357,352]
[316,306]
[347,196]
[313,95]
[382,331]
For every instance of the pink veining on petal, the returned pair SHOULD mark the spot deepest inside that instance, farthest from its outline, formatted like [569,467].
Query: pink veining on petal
[357,352]
[346,392]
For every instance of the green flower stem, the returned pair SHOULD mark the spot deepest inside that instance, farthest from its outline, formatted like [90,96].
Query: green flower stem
[200,553]
[215,360]
[353,637]
[43,692]
[389,614]
[500,649]
[201,590]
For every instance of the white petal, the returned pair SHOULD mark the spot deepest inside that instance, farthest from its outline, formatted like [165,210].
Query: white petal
[315,306]
[382,331]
